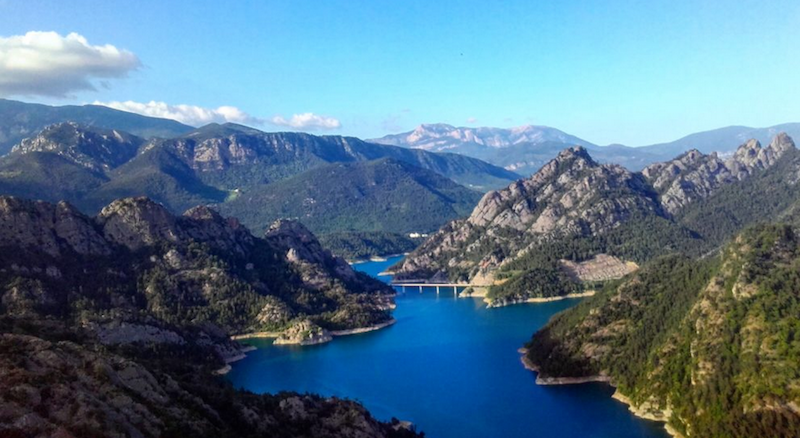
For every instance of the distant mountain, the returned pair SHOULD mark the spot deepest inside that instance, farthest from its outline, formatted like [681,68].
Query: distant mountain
[521,240]
[19,120]
[526,149]
[380,195]
[235,156]
[443,137]
[523,150]
[723,140]
[357,187]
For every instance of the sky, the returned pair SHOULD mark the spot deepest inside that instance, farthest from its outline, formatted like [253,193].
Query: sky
[629,72]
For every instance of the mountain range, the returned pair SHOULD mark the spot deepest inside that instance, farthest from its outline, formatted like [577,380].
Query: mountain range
[114,325]
[220,164]
[19,120]
[525,149]
[516,240]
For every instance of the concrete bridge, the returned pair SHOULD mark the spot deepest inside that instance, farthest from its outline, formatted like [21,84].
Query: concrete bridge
[403,284]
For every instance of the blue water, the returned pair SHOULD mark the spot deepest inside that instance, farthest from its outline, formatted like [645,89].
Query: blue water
[451,367]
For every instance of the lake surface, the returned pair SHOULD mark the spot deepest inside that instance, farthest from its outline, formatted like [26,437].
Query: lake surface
[451,367]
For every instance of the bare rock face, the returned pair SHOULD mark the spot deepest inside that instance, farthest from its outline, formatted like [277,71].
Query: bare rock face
[601,267]
[95,149]
[693,175]
[207,225]
[303,249]
[570,195]
[303,332]
[62,389]
[138,222]
[52,229]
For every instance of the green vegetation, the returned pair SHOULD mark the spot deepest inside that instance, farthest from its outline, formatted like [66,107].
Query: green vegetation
[383,195]
[717,341]
[640,239]
[132,312]
[19,120]
[332,184]
[363,245]
[765,197]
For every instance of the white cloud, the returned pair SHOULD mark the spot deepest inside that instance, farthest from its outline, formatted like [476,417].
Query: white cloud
[188,114]
[308,121]
[198,115]
[472,120]
[48,64]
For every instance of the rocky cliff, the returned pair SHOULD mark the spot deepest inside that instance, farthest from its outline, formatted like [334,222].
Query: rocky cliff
[96,149]
[112,325]
[570,196]
[139,255]
[574,209]
[693,176]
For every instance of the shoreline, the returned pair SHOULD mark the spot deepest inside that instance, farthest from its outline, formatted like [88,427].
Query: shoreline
[636,411]
[490,304]
[255,335]
[377,258]
[228,361]
[357,331]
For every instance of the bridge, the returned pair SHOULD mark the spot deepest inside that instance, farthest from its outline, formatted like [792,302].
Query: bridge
[403,284]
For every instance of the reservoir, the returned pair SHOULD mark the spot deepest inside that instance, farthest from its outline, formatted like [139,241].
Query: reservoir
[450,366]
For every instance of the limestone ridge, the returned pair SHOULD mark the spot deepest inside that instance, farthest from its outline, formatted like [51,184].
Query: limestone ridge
[112,325]
[573,196]
[99,150]
[693,175]
[570,195]
[444,137]
[216,263]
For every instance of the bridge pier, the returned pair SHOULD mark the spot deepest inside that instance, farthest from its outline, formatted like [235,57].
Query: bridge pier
[437,290]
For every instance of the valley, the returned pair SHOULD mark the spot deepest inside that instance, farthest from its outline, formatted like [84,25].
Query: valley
[205,244]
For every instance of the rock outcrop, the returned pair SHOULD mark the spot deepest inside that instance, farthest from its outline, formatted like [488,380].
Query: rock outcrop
[96,149]
[571,195]
[113,325]
[527,227]
[303,332]
[694,176]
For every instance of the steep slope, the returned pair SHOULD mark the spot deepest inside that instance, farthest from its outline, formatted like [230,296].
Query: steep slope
[111,326]
[382,195]
[216,164]
[694,176]
[234,156]
[519,240]
[19,120]
[96,149]
[136,252]
[47,176]
[708,346]
[158,174]
[572,196]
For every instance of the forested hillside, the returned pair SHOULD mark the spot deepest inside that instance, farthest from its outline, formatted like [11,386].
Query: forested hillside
[710,346]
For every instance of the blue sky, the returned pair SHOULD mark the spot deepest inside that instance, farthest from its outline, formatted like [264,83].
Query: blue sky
[633,72]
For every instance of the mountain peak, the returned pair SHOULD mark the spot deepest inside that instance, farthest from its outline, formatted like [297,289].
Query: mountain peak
[573,153]
[782,142]
[94,148]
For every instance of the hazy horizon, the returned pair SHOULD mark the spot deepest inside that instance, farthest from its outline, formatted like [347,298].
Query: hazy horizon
[617,72]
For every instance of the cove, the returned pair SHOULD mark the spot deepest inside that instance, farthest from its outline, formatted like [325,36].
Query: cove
[451,367]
